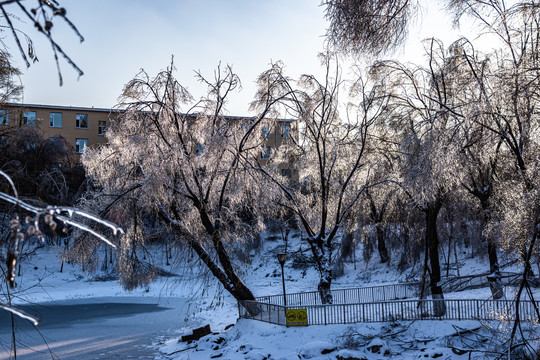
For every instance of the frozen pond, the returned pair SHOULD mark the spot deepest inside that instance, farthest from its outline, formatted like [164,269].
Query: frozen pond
[95,328]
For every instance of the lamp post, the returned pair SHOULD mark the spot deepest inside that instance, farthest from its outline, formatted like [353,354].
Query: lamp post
[281,258]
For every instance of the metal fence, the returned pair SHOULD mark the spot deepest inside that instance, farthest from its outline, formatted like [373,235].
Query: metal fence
[382,311]
[348,296]
[380,292]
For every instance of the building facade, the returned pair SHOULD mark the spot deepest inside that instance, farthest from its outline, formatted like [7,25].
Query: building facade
[80,126]
[83,127]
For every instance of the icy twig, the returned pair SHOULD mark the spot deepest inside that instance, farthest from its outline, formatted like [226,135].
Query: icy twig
[20,313]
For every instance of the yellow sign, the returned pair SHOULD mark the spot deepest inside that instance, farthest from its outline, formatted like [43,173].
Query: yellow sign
[296,317]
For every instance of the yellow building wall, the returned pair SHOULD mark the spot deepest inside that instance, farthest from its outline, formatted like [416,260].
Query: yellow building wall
[69,130]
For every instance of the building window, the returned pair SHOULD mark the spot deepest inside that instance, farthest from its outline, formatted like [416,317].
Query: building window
[81,121]
[55,119]
[266,132]
[102,127]
[265,155]
[4,117]
[81,145]
[285,131]
[29,118]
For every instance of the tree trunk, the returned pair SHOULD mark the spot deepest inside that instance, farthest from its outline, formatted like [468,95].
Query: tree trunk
[422,305]
[237,289]
[322,256]
[523,254]
[406,256]
[494,278]
[224,273]
[354,254]
[376,216]
[456,258]
[105,260]
[432,242]
[492,253]
[381,245]
[241,291]
[167,252]
[324,286]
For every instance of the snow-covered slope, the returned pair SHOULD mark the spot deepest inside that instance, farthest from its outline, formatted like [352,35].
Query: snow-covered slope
[249,339]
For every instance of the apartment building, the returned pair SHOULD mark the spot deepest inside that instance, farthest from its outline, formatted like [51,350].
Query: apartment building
[83,127]
[80,126]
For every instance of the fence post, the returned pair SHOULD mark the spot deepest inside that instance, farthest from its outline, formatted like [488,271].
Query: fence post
[324,306]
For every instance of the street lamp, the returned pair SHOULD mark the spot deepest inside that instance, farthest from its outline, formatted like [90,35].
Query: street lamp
[281,258]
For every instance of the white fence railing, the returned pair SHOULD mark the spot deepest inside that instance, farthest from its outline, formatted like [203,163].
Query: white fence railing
[380,304]
[346,296]
[382,311]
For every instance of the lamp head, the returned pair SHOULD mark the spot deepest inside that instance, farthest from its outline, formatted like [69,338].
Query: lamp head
[281,258]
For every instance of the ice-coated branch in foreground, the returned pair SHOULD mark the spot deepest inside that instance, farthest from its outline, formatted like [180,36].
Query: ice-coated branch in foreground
[20,313]
[58,211]
[50,214]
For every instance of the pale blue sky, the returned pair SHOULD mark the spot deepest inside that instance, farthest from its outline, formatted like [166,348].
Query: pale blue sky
[123,36]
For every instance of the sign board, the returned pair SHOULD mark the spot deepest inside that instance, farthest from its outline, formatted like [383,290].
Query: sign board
[296,317]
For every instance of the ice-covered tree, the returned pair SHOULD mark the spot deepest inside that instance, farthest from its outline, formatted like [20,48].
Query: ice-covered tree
[329,156]
[482,156]
[378,202]
[380,26]
[370,26]
[185,160]
[427,134]
[480,159]
[506,106]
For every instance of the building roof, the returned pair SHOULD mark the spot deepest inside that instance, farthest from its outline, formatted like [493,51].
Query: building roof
[107,110]
[61,107]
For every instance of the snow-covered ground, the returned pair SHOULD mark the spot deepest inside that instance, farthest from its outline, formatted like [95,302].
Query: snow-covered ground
[249,339]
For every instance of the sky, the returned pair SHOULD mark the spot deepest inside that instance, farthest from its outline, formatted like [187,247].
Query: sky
[124,36]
